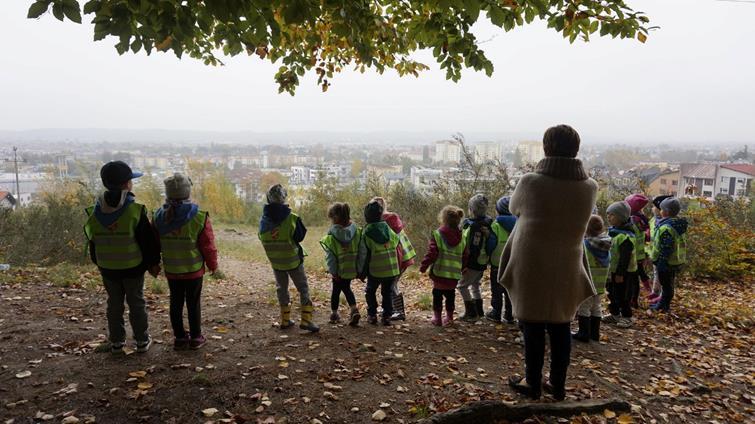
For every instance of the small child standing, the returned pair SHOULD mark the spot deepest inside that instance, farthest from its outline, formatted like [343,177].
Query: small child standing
[655,294]
[597,248]
[669,250]
[341,246]
[380,259]
[187,243]
[500,230]
[476,232]
[623,265]
[281,233]
[636,203]
[445,257]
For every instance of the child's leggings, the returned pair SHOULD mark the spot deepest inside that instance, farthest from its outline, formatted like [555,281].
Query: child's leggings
[469,285]
[341,286]
[299,277]
[186,292]
[439,294]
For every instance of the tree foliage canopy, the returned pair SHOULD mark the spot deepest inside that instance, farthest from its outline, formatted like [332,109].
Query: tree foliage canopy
[329,35]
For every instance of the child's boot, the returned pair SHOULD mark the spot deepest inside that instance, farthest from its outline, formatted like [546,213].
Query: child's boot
[334,317]
[398,308]
[449,319]
[436,321]
[306,318]
[479,308]
[646,285]
[583,334]
[595,328]
[470,311]
[354,317]
[493,315]
[286,317]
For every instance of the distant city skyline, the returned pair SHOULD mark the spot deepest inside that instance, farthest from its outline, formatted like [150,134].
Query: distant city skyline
[690,84]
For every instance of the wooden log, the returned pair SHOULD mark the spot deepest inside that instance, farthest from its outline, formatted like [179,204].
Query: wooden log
[495,411]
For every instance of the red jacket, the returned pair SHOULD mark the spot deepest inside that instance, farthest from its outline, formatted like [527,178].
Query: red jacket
[206,245]
[394,222]
[452,236]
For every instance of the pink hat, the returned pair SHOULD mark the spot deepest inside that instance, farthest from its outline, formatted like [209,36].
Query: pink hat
[636,201]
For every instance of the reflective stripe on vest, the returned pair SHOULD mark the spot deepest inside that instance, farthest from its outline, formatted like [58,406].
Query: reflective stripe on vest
[449,262]
[639,245]
[406,246]
[180,250]
[482,257]
[678,255]
[617,241]
[599,273]
[383,257]
[115,247]
[345,255]
[281,249]
[502,236]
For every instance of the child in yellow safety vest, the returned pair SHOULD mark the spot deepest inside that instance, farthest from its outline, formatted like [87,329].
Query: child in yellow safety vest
[655,294]
[123,246]
[622,266]
[187,243]
[500,230]
[380,257]
[669,251]
[597,250]
[281,233]
[445,258]
[341,246]
[476,230]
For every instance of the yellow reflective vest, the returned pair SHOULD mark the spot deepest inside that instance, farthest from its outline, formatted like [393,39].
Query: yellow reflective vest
[115,246]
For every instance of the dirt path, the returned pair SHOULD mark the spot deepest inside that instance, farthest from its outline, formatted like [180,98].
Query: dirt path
[252,371]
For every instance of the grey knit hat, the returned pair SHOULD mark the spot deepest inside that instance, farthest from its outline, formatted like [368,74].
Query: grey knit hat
[277,194]
[177,187]
[621,210]
[671,205]
[478,205]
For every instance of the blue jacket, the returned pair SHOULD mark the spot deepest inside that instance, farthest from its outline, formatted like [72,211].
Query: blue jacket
[667,240]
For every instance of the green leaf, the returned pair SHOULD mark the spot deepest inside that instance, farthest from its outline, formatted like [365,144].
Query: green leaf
[37,9]
[57,11]
[72,10]
[136,45]
[92,6]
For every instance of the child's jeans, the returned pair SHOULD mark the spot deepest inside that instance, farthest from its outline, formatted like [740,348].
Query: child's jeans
[341,286]
[188,292]
[132,291]
[499,299]
[385,285]
[590,307]
[299,278]
[469,285]
[439,294]
[666,279]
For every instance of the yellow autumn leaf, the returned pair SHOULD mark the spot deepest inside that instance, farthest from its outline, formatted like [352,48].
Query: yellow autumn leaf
[609,414]
[625,419]
[144,386]
[137,374]
[642,37]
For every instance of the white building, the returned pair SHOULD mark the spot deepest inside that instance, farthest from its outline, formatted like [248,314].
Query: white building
[29,183]
[447,151]
[530,151]
[711,179]
[300,175]
[487,151]
[424,179]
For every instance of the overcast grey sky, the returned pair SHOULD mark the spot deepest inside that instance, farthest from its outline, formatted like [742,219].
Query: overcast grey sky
[693,81]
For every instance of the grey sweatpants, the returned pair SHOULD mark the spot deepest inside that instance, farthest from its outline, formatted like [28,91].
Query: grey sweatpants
[132,291]
[299,278]
[590,307]
[469,285]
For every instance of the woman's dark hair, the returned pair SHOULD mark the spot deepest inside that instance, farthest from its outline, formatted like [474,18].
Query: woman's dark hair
[340,213]
[561,140]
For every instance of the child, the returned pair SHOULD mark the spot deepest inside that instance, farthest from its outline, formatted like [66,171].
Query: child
[476,232]
[669,250]
[500,231]
[123,246]
[445,257]
[341,246]
[188,245]
[623,264]
[597,247]
[394,221]
[380,261]
[655,294]
[281,233]
[636,203]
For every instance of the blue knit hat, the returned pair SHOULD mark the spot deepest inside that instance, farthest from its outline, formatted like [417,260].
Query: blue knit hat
[502,205]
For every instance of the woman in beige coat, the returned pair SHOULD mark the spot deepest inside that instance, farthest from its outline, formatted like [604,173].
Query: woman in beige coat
[543,265]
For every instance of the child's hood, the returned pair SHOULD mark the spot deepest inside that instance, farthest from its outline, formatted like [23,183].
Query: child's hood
[452,236]
[111,205]
[599,247]
[678,224]
[182,213]
[394,221]
[506,221]
[379,232]
[478,221]
[625,228]
[343,234]
[272,215]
